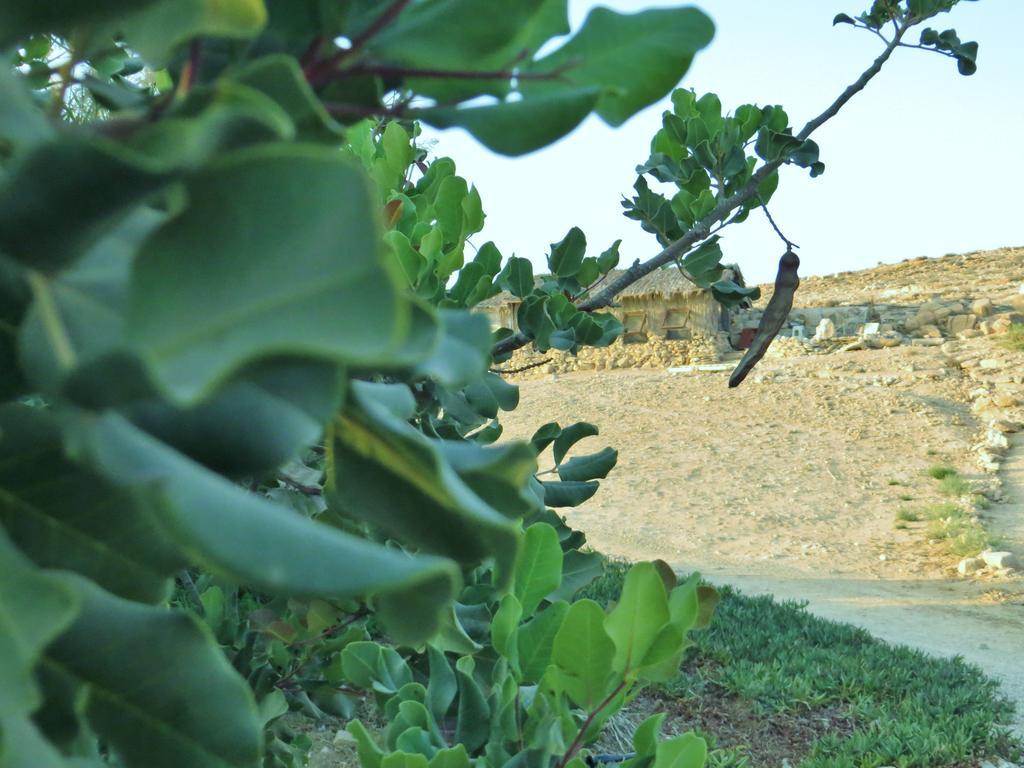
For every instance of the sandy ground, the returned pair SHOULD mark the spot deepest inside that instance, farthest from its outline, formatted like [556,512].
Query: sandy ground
[790,485]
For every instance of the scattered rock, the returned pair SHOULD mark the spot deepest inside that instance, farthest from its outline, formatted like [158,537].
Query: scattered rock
[1004,399]
[982,307]
[1001,560]
[1005,426]
[970,565]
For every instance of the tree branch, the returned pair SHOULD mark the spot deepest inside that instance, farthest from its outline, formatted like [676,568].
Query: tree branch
[702,229]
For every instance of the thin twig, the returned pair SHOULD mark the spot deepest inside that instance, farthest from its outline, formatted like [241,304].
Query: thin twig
[789,243]
[308,490]
[316,70]
[578,741]
[702,229]
[442,74]
[509,371]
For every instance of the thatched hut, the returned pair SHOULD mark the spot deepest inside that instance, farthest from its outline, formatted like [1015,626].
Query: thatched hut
[662,304]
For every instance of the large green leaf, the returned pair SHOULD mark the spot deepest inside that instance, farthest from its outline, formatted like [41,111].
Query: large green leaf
[639,616]
[220,526]
[277,253]
[160,690]
[157,28]
[583,653]
[77,316]
[35,607]
[539,567]
[517,127]
[635,59]
[22,124]
[578,570]
[19,19]
[686,751]
[590,467]
[21,744]
[280,77]
[389,474]
[65,515]
[464,350]
[469,34]
[537,638]
[94,185]
[272,410]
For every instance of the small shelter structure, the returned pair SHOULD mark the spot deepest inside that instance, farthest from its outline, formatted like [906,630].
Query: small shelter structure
[663,304]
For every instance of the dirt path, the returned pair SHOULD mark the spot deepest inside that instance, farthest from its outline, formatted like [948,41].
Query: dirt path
[791,485]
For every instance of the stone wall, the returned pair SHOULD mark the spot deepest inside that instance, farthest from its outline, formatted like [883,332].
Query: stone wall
[655,353]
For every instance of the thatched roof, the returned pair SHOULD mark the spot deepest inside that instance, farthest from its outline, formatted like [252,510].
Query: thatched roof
[659,284]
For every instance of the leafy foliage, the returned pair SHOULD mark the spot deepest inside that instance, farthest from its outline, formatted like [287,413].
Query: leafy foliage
[237,357]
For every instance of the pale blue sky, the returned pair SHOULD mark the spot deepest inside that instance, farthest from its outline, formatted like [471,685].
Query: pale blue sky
[924,162]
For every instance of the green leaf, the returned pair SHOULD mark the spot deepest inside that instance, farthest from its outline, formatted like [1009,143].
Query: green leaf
[567,255]
[568,494]
[373,666]
[453,757]
[570,436]
[74,329]
[517,127]
[451,192]
[609,259]
[107,534]
[273,409]
[162,693]
[463,34]
[35,607]
[441,686]
[517,277]
[645,737]
[578,570]
[474,715]
[536,639]
[635,59]
[539,567]
[157,28]
[504,626]
[256,269]
[24,745]
[638,617]
[843,18]
[220,525]
[22,123]
[94,185]
[383,467]
[280,77]
[370,755]
[686,751]
[464,351]
[583,653]
[18,20]
[590,467]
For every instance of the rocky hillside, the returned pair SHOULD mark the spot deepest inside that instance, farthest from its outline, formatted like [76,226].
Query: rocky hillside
[979,274]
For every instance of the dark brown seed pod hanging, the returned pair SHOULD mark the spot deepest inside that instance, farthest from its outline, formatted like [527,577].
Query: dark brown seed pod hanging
[786,282]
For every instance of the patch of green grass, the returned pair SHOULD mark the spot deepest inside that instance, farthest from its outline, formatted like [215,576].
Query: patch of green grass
[900,525]
[958,528]
[908,515]
[1014,338]
[908,708]
[940,471]
[931,452]
[954,485]
[895,482]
